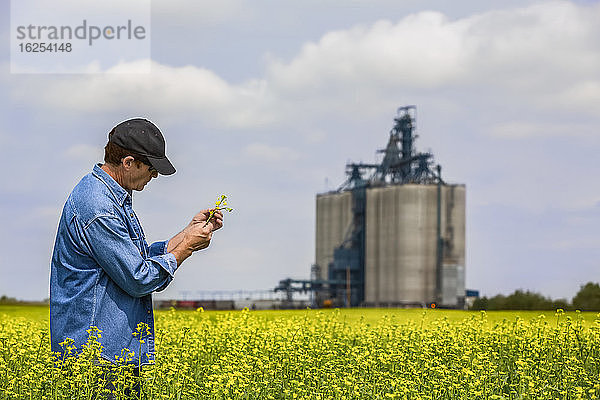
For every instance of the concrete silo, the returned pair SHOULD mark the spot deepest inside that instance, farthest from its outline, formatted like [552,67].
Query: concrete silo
[394,233]
[401,266]
[334,221]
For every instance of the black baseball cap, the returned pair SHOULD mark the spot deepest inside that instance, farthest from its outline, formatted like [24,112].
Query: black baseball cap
[143,137]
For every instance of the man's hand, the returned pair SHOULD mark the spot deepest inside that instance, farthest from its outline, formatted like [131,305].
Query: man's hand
[202,216]
[196,235]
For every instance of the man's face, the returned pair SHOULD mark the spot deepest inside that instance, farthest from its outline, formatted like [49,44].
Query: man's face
[138,175]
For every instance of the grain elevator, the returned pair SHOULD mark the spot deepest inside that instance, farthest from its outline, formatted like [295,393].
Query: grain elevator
[392,235]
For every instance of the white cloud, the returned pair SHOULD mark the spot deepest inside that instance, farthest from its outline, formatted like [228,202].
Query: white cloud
[546,56]
[67,9]
[422,50]
[200,11]
[315,136]
[185,91]
[582,95]
[528,129]
[268,153]
[547,52]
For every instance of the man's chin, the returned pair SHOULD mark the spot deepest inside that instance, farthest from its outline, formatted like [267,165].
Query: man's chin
[141,187]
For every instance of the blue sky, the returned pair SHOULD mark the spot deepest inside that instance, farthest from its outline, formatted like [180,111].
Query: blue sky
[267,101]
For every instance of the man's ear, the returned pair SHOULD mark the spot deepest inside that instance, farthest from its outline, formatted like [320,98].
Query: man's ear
[127,162]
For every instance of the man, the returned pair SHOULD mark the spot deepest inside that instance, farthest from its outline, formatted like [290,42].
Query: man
[103,272]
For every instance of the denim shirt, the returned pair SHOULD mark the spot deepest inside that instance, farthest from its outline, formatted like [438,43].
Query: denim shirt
[103,272]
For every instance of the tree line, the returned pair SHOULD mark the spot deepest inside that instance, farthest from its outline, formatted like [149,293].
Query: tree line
[5,300]
[586,299]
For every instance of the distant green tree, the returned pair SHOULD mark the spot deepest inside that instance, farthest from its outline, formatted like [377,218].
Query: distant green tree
[497,302]
[519,300]
[480,303]
[588,297]
[561,303]
[7,300]
[492,303]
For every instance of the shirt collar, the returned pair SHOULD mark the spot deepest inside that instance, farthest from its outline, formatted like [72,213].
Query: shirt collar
[118,192]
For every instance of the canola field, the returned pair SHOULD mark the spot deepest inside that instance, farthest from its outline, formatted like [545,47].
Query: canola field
[322,354]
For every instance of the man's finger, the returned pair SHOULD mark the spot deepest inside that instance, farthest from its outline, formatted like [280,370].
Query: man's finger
[204,213]
[218,224]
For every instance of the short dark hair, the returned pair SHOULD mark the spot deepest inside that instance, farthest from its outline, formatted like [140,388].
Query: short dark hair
[113,153]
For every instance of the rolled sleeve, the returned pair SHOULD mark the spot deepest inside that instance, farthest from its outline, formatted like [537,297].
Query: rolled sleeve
[168,262]
[170,265]
[158,248]
[114,250]
[158,251]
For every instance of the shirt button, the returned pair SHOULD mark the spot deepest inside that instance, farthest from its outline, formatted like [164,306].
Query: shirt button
[148,311]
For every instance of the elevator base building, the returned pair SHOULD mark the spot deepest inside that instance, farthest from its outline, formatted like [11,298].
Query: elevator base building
[401,243]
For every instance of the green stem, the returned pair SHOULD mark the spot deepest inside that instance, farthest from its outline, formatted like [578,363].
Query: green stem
[212,213]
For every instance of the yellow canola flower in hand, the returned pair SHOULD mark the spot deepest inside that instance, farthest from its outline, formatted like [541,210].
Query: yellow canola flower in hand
[220,204]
